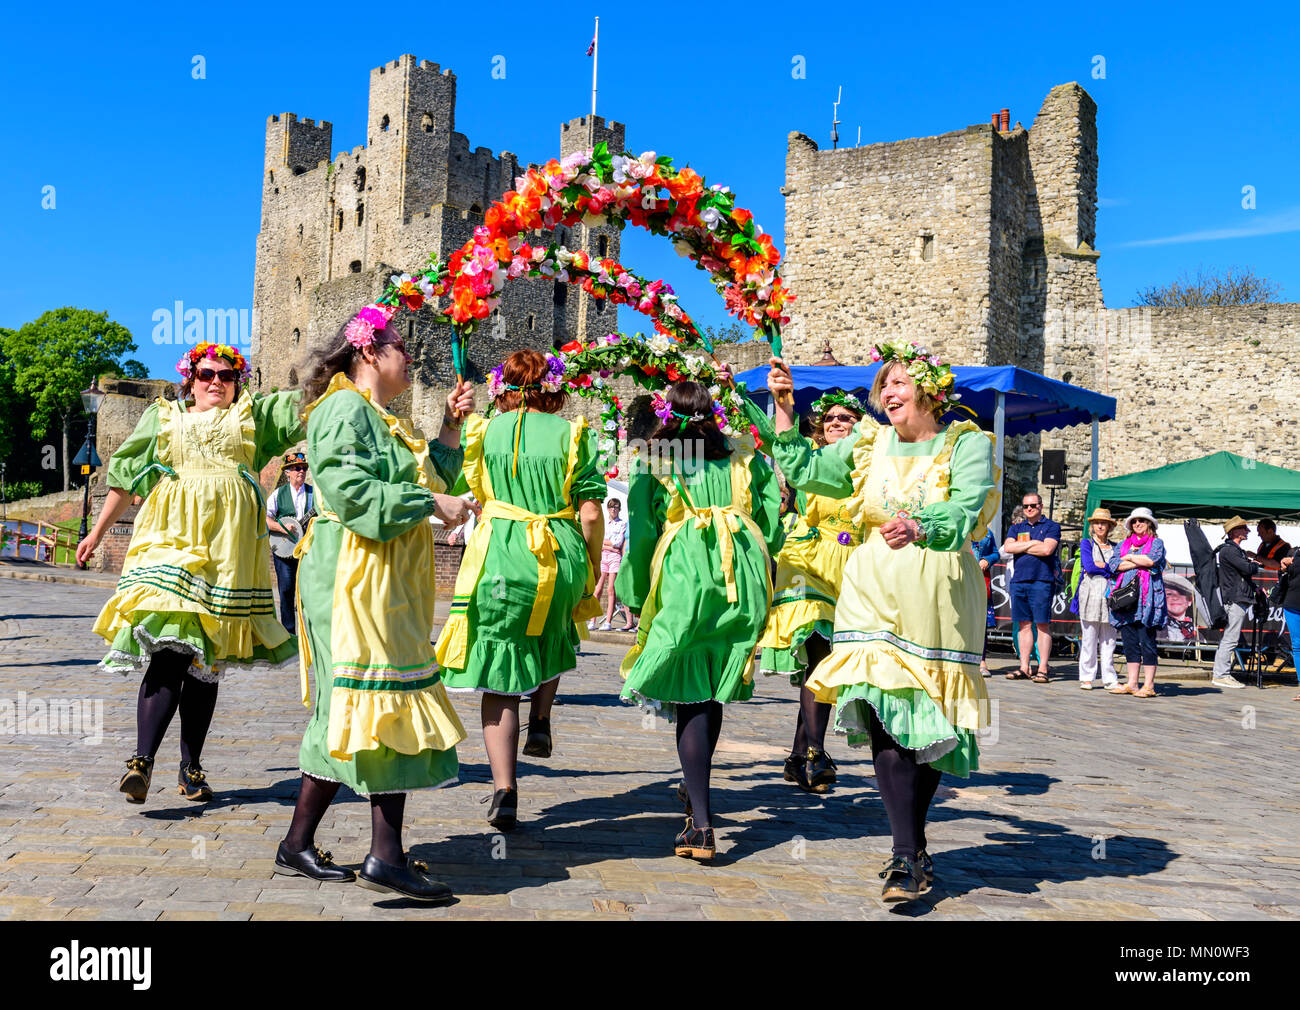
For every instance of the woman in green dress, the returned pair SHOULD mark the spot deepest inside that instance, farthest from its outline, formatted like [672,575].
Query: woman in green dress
[381,723]
[194,598]
[702,525]
[526,580]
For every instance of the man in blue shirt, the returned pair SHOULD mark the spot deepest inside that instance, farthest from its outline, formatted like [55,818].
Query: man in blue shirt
[1032,544]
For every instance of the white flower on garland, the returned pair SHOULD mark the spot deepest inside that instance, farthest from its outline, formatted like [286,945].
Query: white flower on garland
[694,363]
[660,344]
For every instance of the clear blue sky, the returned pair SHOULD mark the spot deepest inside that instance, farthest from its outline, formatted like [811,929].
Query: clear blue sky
[157,174]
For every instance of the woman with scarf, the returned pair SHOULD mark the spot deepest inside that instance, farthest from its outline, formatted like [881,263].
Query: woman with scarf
[1139,560]
[1096,634]
[381,721]
[194,598]
[808,572]
[526,580]
[702,523]
[903,669]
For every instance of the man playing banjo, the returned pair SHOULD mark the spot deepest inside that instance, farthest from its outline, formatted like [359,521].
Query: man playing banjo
[288,512]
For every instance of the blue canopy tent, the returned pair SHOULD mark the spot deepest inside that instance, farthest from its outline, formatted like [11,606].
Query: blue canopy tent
[1006,400]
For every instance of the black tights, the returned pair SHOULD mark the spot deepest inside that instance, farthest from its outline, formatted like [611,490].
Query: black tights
[814,716]
[386,810]
[698,727]
[166,687]
[906,786]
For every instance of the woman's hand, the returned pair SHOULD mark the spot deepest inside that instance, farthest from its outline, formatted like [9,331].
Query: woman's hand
[901,532]
[87,547]
[454,511]
[984,564]
[460,404]
[724,376]
[780,383]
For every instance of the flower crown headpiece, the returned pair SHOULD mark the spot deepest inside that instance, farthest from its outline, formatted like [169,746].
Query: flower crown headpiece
[191,358]
[551,382]
[932,376]
[360,332]
[664,411]
[837,397]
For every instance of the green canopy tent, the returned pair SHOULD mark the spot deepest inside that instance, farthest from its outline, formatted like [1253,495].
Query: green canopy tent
[1217,486]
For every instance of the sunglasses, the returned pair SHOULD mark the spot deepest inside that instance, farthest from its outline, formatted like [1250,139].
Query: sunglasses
[224,374]
[297,466]
[1035,505]
[849,418]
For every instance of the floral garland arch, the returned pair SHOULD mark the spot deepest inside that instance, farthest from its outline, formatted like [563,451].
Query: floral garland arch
[597,189]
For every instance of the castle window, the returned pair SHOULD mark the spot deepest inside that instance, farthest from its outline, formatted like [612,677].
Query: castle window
[361,212]
[475,209]
[361,179]
[270,177]
[530,320]
[293,377]
[600,306]
[259,378]
[410,330]
[354,267]
[297,285]
[561,293]
[383,123]
[296,336]
[602,246]
[300,234]
[338,224]
[298,170]
[426,123]
[927,247]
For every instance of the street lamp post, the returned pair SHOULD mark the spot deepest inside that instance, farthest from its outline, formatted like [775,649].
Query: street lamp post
[91,399]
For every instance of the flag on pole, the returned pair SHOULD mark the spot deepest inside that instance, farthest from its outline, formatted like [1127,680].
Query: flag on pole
[591,48]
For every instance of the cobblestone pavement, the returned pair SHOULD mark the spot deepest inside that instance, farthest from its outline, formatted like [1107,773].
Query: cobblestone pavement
[1087,806]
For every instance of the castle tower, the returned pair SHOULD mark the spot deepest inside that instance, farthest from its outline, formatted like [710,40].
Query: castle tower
[408,135]
[576,311]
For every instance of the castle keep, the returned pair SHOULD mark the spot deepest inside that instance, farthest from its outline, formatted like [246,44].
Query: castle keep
[982,244]
[333,231]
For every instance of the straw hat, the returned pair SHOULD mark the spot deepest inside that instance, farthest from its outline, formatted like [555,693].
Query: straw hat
[1234,523]
[1101,515]
[293,459]
[1140,513]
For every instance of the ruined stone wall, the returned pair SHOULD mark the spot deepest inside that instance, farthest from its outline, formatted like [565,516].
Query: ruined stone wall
[890,241]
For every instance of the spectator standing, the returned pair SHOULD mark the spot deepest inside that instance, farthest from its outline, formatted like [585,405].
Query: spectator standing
[1097,634]
[1289,582]
[611,559]
[1272,548]
[1033,543]
[1141,559]
[1237,592]
[986,553]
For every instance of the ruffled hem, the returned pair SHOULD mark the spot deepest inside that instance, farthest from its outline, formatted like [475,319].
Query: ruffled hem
[454,780]
[668,709]
[786,621]
[956,688]
[687,678]
[518,667]
[408,722]
[133,647]
[792,661]
[503,694]
[913,721]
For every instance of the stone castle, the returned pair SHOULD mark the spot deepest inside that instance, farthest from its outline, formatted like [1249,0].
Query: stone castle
[982,243]
[334,230]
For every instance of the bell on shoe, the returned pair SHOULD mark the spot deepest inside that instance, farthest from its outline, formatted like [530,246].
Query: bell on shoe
[695,843]
[313,863]
[819,772]
[903,880]
[410,881]
[135,783]
[193,783]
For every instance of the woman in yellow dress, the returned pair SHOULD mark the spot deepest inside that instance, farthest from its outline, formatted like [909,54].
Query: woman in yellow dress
[800,623]
[381,721]
[903,670]
[195,592]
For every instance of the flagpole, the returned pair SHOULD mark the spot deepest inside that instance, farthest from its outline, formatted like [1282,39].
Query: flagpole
[595,57]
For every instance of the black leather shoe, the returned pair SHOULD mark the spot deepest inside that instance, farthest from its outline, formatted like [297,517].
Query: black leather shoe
[796,771]
[410,881]
[695,843]
[819,772]
[313,863]
[504,812]
[538,744]
[903,880]
[135,783]
[194,783]
[927,869]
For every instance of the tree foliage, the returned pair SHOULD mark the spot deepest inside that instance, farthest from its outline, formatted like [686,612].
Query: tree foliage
[1233,286]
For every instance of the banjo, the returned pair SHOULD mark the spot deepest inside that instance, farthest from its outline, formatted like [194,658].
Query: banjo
[282,544]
